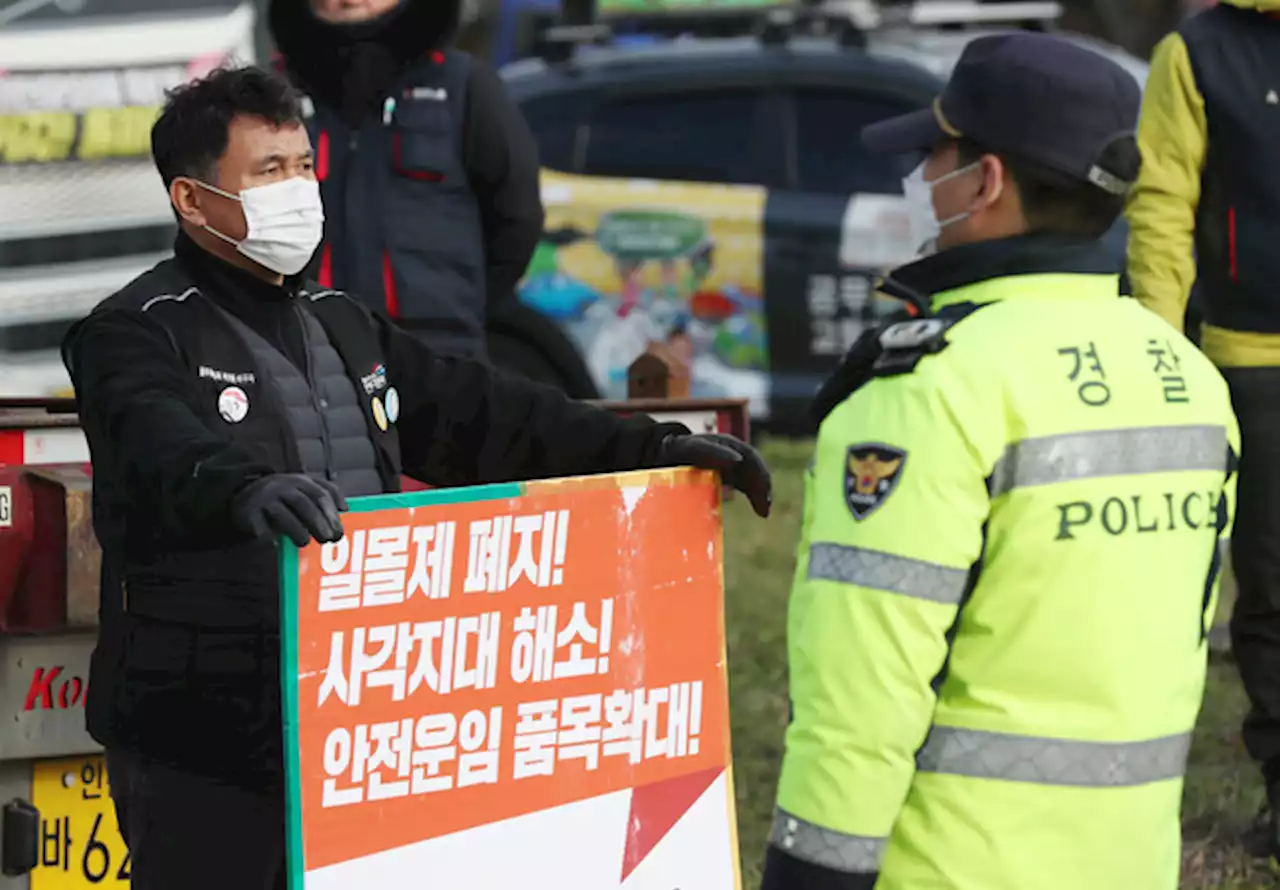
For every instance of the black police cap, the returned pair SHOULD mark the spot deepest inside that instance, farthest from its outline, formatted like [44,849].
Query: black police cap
[1035,97]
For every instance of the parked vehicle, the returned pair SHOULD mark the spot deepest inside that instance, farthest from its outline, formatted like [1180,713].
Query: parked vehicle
[712,193]
[59,825]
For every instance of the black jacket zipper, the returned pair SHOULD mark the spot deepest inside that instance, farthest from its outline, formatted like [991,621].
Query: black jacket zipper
[317,402]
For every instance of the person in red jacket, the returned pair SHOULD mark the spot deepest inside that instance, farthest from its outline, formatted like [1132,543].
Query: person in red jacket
[428,171]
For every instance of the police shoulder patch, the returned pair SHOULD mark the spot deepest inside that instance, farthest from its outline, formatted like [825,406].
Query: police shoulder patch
[920,332]
[904,344]
[871,473]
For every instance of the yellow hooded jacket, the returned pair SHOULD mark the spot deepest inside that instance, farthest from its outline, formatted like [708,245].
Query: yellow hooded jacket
[1173,136]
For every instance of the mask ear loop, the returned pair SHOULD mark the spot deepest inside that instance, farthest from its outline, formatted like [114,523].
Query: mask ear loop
[227,238]
[960,217]
[217,191]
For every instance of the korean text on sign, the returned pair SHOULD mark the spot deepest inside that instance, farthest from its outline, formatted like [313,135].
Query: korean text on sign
[388,566]
[440,751]
[452,654]
[462,663]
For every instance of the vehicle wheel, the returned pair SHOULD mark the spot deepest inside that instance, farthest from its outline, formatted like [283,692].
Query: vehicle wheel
[526,361]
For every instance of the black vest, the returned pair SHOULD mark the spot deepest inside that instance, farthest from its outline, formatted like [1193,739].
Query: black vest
[1235,57]
[403,229]
[323,412]
[331,422]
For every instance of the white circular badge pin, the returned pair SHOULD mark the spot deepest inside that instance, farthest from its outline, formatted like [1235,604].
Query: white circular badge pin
[392,398]
[233,404]
[379,415]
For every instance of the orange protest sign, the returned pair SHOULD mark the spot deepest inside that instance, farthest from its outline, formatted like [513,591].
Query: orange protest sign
[547,658]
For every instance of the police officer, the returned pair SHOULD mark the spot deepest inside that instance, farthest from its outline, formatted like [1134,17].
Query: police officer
[1012,524]
[1206,211]
[429,173]
[226,402]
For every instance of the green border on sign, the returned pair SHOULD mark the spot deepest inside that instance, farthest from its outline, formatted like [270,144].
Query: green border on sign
[289,639]
[289,680]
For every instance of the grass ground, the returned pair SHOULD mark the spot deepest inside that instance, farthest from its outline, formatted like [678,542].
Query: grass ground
[1222,792]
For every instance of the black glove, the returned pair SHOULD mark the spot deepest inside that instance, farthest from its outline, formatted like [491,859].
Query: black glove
[294,505]
[739,465]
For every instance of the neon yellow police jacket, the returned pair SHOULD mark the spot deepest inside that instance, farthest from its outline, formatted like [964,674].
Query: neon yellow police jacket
[1009,559]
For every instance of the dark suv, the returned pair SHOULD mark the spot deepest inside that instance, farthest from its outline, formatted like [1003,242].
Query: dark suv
[714,195]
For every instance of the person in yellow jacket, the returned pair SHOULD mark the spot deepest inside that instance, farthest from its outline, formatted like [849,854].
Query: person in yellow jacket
[1012,524]
[1206,210]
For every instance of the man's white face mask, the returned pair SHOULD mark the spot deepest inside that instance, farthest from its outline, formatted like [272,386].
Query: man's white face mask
[285,220]
[925,225]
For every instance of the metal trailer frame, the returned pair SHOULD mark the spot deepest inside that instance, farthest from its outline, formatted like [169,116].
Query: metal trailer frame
[43,680]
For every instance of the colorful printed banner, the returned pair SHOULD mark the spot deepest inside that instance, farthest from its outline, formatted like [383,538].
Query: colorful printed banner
[513,686]
[623,7]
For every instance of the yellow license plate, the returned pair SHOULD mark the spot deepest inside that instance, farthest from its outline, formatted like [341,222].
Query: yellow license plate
[80,843]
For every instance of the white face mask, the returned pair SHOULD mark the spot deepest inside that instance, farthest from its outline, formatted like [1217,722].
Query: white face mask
[285,221]
[925,225]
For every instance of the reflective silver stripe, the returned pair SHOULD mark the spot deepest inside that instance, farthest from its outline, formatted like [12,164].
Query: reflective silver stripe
[994,755]
[822,846]
[884,571]
[1157,449]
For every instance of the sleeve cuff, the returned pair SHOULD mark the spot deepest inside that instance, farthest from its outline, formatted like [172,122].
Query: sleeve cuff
[782,871]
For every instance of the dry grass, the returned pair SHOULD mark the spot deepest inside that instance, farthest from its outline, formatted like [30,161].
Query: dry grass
[1222,792]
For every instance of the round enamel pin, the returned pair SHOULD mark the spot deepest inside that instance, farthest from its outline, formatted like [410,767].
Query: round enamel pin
[392,399]
[379,414]
[233,404]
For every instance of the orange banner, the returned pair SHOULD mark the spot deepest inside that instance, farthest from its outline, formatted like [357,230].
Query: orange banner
[459,664]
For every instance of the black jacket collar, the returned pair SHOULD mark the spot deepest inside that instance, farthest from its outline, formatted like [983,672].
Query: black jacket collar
[269,309]
[1030,254]
[234,289]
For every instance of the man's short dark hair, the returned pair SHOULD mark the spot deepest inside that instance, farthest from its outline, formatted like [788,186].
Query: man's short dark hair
[1060,204]
[191,133]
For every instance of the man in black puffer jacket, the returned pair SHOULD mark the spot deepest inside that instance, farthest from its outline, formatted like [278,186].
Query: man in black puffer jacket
[228,401]
[429,173]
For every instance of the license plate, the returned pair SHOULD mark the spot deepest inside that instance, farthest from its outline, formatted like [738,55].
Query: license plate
[80,843]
